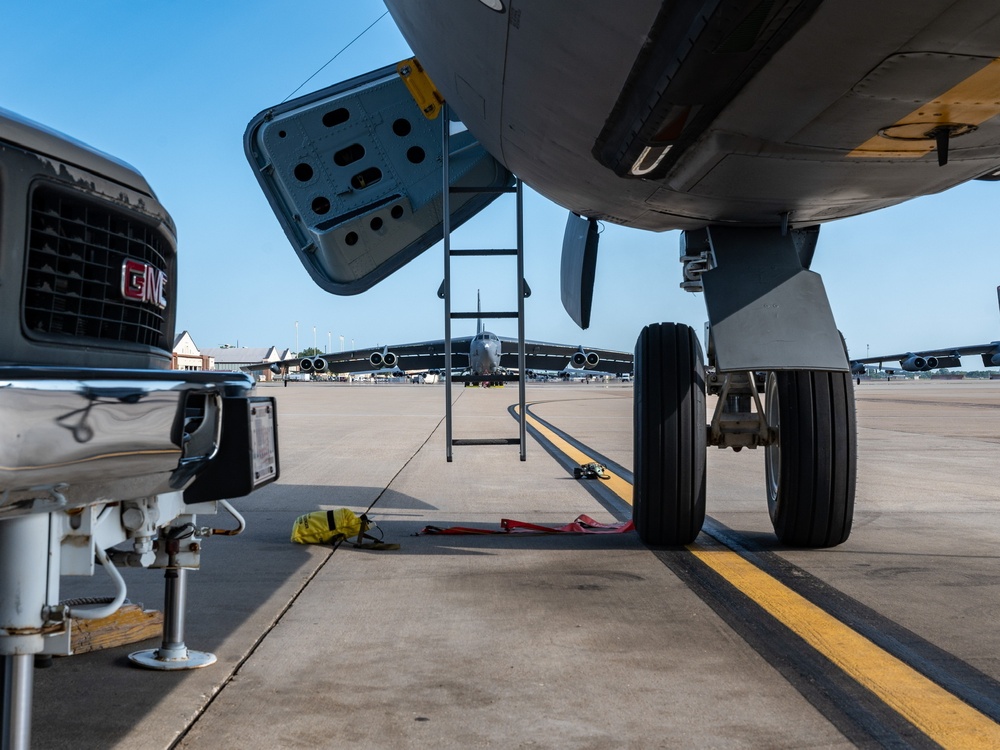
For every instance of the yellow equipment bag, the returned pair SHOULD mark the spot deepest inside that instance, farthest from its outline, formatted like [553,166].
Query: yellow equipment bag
[322,526]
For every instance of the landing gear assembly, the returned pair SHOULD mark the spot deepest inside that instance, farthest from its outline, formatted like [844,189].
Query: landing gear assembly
[771,333]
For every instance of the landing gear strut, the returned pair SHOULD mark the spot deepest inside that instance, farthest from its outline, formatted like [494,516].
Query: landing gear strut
[771,330]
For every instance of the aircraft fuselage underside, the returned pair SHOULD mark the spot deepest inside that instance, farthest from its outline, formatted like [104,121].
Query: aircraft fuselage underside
[682,115]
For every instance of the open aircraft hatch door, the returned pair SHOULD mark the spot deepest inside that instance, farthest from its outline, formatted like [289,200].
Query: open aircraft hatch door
[353,173]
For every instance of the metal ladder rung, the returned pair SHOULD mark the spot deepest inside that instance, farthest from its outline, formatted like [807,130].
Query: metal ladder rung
[498,191]
[484,251]
[485,378]
[486,441]
[477,315]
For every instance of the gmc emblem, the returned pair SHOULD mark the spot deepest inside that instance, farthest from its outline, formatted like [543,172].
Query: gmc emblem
[142,282]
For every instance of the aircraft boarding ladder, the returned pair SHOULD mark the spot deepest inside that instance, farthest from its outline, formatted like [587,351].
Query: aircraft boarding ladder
[445,293]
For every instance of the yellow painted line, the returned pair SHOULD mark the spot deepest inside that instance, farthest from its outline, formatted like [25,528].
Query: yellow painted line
[947,720]
[971,102]
[944,718]
[614,482]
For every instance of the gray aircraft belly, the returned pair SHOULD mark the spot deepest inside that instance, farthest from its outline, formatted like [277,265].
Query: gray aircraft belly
[822,127]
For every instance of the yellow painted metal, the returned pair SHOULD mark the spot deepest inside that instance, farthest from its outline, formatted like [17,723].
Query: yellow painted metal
[971,102]
[421,87]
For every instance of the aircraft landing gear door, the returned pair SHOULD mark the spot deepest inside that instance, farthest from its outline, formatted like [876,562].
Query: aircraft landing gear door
[668,495]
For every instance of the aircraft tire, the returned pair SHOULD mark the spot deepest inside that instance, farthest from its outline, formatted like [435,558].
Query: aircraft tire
[668,490]
[811,469]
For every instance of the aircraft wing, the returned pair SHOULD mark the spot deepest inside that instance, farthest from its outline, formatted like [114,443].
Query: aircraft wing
[540,355]
[429,355]
[933,359]
[420,356]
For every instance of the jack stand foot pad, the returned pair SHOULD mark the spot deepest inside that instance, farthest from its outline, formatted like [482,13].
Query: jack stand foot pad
[174,660]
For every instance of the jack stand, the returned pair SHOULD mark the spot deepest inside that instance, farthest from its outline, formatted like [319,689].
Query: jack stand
[17,678]
[24,565]
[173,654]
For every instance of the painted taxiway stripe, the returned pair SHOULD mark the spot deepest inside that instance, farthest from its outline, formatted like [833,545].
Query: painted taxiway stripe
[944,718]
[937,713]
[615,483]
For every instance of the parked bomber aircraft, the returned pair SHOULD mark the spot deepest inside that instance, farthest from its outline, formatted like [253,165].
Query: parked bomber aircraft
[933,359]
[480,358]
[744,124]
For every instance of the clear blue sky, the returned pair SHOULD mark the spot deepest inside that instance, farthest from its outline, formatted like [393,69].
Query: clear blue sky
[170,87]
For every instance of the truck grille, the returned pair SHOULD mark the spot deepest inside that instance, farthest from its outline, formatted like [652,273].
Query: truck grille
[73,279]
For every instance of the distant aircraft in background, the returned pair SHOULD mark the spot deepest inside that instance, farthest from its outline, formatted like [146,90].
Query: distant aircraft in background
[482,356]
[932,359]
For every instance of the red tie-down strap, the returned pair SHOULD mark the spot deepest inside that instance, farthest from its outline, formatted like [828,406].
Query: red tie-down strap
[583,524]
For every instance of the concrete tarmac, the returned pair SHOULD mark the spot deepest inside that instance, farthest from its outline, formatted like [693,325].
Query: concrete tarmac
[573,641]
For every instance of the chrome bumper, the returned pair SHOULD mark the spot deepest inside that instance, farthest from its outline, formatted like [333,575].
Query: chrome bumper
[72,437]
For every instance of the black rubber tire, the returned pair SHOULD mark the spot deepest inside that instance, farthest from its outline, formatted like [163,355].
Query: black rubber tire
[668,490]
[812,469]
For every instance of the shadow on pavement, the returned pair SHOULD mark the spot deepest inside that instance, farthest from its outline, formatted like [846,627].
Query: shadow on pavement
[93,700]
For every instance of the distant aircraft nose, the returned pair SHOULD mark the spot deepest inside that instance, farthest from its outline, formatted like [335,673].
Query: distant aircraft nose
[485,355]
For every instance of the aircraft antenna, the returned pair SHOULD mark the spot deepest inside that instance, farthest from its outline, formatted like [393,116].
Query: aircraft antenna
[335,56]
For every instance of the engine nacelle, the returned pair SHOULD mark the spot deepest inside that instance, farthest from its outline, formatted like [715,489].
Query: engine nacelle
[951,361]
[319,364]
[306,364]
[593,360]
[389,359]
[857,368]
[275,368]
[994,360]
[375,358]
[578,360]
[913,363]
